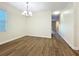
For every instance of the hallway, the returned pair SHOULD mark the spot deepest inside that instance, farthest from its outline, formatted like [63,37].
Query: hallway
[36,46]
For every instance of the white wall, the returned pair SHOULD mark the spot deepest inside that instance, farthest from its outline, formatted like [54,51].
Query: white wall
[39,24]
[76,8]
[18,26]
[15,24]
[67,25]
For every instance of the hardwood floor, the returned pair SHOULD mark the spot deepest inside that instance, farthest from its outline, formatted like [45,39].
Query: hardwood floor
[35,46]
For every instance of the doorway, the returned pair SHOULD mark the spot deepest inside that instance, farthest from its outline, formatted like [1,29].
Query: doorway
[55,24]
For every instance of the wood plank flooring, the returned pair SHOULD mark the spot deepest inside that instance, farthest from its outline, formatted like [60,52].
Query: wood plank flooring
[36,46]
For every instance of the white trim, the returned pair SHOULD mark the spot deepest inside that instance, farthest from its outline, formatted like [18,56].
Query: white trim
[76,48]
[73,47]
[11,40]
[40,36]
[20,37]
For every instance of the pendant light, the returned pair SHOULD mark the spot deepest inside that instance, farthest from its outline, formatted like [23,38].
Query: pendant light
[27,12]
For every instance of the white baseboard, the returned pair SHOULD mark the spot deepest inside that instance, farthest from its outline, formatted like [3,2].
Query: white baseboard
[76,48]
[40,36]
[11,39]
[72,46]
[20,37]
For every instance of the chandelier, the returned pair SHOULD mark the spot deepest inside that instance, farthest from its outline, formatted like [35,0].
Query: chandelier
[27,12]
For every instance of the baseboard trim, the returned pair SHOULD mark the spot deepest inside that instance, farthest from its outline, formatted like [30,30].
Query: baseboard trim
[58,36]
[40,36]
[73,49]
[11,40]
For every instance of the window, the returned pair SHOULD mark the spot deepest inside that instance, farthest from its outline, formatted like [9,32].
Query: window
[2,21]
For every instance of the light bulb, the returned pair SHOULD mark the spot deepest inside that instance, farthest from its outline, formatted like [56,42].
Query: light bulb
[24,12]
[56,12]
[30,13]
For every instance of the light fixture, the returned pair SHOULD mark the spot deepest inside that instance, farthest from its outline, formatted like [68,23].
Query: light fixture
[66,12]
[56,12]
[27,12]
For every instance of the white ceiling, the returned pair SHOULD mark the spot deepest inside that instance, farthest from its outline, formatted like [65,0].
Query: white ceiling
[40,6]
